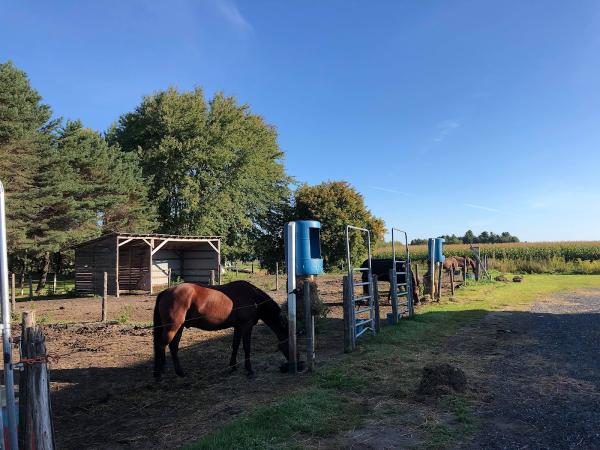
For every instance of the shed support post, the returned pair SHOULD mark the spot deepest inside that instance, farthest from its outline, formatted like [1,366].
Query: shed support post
[105,298]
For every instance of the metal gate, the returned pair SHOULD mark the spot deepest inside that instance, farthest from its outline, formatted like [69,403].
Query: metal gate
[407,293]
[362,307]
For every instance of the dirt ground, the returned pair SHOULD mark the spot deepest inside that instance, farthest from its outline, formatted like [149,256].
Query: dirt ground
[103,393]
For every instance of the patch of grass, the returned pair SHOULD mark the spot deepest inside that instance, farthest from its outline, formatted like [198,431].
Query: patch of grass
[387,366]
[124,315]
[43,319]
[338,378]
[314,413]
[460,407]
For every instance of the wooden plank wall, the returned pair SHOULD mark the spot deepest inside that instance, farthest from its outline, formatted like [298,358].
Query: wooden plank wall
[133,267]
[91,262]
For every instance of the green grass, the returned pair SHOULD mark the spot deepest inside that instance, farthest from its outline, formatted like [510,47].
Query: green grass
[313,413]
[124,315]
[386,368]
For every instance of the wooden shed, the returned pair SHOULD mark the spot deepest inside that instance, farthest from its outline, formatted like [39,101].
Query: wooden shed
[143,262]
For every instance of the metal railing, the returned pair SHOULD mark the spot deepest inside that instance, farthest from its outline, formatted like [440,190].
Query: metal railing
[407,285]
[360,323]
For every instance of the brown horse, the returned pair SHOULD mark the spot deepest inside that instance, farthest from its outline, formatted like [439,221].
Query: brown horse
[238,305]
[457,262]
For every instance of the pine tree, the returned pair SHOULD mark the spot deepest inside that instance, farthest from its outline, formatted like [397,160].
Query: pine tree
[25,134]
[85,188]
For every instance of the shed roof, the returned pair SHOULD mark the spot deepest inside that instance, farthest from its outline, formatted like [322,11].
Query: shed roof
[174,237]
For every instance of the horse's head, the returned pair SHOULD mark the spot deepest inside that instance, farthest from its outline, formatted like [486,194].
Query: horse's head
[272,315]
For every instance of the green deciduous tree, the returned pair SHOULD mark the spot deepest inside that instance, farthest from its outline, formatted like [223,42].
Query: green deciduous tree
[215,167]
[336,204]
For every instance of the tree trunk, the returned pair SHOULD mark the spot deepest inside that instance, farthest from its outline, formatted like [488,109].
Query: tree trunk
[44,276]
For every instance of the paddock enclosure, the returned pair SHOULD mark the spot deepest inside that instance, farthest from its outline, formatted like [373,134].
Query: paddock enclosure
[144,262]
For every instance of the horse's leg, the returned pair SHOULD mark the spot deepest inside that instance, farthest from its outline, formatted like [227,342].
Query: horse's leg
[163,338]
[247,336]
[237,336]
[174,349]
[159,360]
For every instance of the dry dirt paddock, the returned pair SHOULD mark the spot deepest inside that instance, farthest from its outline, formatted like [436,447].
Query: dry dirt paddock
[103,393]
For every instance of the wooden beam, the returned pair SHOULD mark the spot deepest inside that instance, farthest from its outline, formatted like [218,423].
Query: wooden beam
[159,246]
[125,241]
[213,246]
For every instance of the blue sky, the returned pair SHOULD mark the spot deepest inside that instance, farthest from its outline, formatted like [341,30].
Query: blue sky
[446,115]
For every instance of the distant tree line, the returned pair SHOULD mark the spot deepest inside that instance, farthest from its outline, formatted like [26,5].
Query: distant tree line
[470,238]
[178,163]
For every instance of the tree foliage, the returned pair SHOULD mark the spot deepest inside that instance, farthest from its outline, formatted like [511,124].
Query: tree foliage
[85,188]
[215,167]
[63,185]
[336,204]
[25,137]
[470,238]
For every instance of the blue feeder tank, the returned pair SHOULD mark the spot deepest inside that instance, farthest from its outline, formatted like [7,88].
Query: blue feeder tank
[308,248]
[439,250]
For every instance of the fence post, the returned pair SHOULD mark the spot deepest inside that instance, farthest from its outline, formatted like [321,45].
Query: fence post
[22,282]
[410,292]
[452,280]
[35,424]
[394,295]
[30,287]
[252,267]
[212,278]
[309,327]
[440,273]
[169,274]
[13,292]
[347,301]
[477,268]
[25,417]
[465,269]
[54,284]
[105,297]
[377,318]
[276,276]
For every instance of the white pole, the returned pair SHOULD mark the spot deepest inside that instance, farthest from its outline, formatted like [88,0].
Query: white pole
[6,339]
[291,288]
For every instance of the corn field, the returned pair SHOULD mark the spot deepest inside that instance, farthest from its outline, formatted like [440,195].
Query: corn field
[532,251]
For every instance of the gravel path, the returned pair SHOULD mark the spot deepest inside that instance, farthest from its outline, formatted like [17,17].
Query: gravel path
[543,379]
